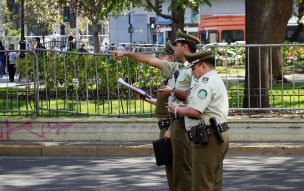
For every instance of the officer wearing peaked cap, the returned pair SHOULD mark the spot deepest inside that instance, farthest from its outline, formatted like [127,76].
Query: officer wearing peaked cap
[183,37]
[207,102]
[179,83]
[177,86]
[161,111]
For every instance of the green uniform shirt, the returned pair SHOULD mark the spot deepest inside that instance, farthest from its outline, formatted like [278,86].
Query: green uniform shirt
[182,82]
[209,96]
[161,111]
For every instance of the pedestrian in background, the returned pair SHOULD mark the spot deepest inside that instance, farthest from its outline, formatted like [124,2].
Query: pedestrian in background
[207,107]
[39,46]
[82,48]
[12,58]
[2,60]
[71,45]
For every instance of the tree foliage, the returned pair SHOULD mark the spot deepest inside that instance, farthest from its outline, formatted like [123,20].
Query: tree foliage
[299,13]
[96,11]
[10,18]
[177,9]
[43,13]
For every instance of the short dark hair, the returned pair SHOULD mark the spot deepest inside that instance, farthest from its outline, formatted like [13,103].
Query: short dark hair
[191,46]
[37,39]
[70,37]
[210,61]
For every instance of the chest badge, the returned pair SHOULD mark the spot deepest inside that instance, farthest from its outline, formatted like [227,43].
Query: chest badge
[202,93]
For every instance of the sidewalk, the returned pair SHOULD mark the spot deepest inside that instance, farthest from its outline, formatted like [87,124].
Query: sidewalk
[102,149]
[4,81]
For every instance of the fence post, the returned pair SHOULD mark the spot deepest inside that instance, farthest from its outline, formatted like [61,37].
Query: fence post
[36,81]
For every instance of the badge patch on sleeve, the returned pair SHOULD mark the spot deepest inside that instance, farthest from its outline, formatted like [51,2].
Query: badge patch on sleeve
[202,93]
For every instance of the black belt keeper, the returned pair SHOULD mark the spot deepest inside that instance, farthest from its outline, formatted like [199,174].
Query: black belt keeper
[223,127]
[164,124]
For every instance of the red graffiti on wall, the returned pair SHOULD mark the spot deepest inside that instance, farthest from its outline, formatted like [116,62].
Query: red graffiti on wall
[46,128]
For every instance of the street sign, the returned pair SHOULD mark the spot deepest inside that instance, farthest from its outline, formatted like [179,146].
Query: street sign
[131,29]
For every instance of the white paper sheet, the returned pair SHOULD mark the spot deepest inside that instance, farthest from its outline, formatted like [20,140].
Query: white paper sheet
[140,91]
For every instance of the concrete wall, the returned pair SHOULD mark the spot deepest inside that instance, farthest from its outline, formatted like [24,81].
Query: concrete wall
[139,129]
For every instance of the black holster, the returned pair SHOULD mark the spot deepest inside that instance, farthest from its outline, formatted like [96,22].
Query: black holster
[216,130]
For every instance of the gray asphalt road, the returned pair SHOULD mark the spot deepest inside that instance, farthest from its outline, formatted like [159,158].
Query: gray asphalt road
[250,173]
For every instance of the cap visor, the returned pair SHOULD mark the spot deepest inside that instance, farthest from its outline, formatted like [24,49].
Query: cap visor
[189,66]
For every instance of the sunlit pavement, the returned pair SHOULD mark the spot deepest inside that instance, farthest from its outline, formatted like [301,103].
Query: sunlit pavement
[4,81]
[248,173]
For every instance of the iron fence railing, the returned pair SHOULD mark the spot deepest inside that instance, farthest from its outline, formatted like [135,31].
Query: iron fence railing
[55,83]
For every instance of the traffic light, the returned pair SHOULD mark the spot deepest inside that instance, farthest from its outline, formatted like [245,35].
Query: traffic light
[158,5]
[66,14]
[152,23]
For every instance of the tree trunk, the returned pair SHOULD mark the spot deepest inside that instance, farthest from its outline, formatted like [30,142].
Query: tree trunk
[264,25]
[279,14]
[276,64]
[95,36]
[178,22]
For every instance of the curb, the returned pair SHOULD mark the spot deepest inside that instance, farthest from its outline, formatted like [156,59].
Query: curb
[99,150]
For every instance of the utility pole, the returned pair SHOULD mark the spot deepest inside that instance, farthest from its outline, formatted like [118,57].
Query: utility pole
[22,39]
[1,19]
[131,28]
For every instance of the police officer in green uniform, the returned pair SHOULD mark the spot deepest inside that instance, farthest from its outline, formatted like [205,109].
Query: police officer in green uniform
[208,100]
[177,86]
[161,111]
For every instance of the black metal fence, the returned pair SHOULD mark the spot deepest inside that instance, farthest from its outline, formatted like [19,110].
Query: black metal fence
[58,83]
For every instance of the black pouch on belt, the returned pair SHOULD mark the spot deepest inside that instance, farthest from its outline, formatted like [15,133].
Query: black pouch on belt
[164,123]
[199,134]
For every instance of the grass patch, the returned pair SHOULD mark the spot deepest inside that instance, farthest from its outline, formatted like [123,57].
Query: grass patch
[18,103]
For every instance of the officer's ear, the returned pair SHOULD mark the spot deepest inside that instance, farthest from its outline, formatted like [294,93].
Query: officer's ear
[204,65]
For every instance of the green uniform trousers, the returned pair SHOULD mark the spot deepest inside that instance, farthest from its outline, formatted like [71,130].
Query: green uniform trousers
[207,164]
[169,168]
[181,148]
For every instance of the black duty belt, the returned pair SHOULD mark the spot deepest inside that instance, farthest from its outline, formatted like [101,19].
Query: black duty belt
[165,123]
[223,127]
